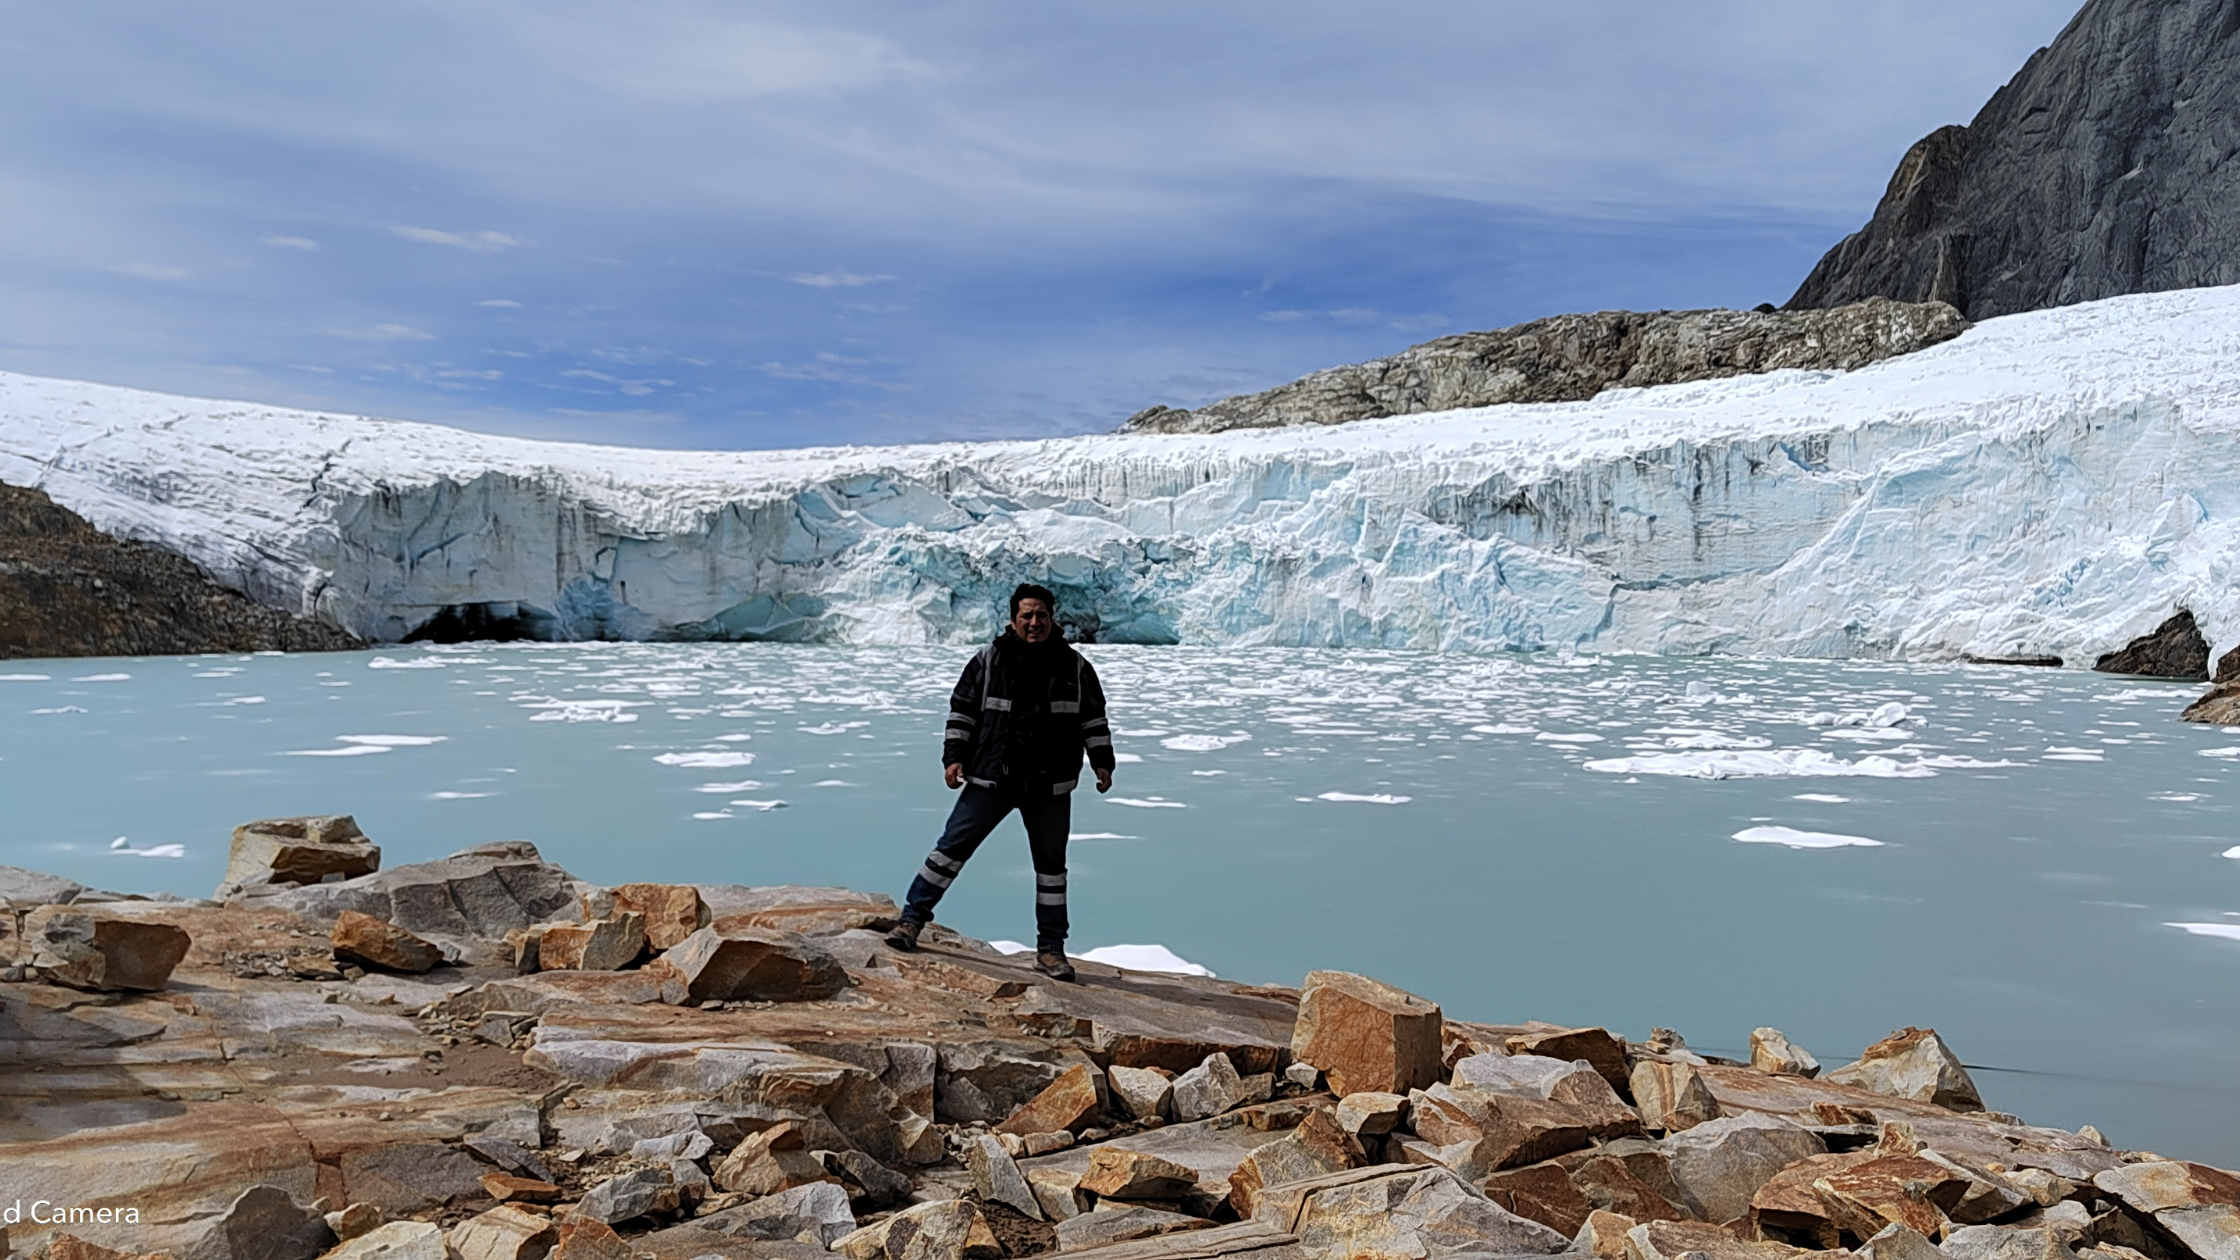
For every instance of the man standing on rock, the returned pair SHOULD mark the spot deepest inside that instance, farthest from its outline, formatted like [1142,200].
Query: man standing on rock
[1020,719]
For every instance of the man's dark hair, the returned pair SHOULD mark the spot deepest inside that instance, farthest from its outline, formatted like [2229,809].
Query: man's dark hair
[1030,590]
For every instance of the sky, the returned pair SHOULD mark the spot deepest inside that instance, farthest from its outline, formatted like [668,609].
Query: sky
[751,226]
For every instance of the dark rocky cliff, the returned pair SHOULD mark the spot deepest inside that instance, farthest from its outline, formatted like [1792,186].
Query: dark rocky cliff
[66,589]
[2105,167]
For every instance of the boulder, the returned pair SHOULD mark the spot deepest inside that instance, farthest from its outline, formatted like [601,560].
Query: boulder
[1696,1240]
[1370,1114]
[755,964]
[1603,1235]
[1059,1193]
[1126,1224]
[509,1155]
[1993,1242]
[1866,1197]
[1208,1089]
[2174,649]
[72,1247]
[406,1178]
[1596,1045]
[479,893]
[584,1239]
[1543,1192]
[871,1185]
[398,1240]
[630,1195]
[1787,1208]
[83,948]
[2193,1204]
[266,1223]
[608,944]
[1317,1147]
[355,1220]
[1775,1054]
[1303,1075]
[379,946]
[1629,1176]
[770,1161]
[1912,1063]
[1141,1092]
[309,850]
[1415,1212]
[2220,706]
[998,1179]
[947,1229]
[1479,1131]
[1367,1035]
[1672,1096]
[22,889]
[503,1233]
[1068,1104]
[1536,1076]
[1719,1165]
[1896,1242]
[819,1214]
[1117,1173]
[672,911]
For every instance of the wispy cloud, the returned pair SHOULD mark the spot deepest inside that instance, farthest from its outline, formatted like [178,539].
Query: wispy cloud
[827,366]
[479,242]
[303,243]
[383,332]
[633,389]
[502,303]
[151,271]
[834,279]
[1359,316]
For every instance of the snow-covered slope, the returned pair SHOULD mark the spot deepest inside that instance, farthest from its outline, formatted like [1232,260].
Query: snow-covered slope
[2050,483]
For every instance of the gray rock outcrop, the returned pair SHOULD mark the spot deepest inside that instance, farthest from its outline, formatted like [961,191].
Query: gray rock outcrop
[2102,168]
[1571,358]
[2174,649]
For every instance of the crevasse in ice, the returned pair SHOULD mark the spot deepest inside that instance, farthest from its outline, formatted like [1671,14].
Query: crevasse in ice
[2047,484]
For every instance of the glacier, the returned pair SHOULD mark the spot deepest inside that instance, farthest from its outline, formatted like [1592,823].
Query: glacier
[2047,484]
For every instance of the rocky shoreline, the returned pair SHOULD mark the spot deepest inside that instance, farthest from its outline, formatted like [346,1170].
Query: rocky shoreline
[484,1058]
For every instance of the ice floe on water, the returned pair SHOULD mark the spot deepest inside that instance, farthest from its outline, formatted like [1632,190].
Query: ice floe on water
[123,847]
[392,741]
[1374,798]
[2219,752]
[1098,835]
[103,678]
[1130,957]
[458,796]
[707,760]
[2223,931]
[1152,802]
[26,678]
[1822,798]
[2233,853]
[1205,743]
[1795,839]
[1752,763]
[1553,737]
[347,750]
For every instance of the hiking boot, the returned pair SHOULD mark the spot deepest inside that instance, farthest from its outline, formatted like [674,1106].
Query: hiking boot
[905,936]
[1054,964]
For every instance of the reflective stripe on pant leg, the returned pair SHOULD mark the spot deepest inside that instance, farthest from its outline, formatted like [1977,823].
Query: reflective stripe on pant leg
[1050,890]
[939,870]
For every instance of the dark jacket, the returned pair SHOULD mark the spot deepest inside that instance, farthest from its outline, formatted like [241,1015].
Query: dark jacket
[1022,716]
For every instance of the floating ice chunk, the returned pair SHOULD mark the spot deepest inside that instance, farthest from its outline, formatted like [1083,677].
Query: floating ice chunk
[1379,798]
[25,678]
[2176,798]
[743,785]
[1150,803]
[1152,733]
[68,708]
[1711,739]
[764,806]
[711,816]
[152,851]
[392,741]
[1796,839]
[2225,931]
[1946,762]
[418,662]
[706,760]
[347,750]
[1752,763]
[1551,737]
[2061,753]
[246,700]
[1207,774]
[1204,743]
[830,728]
[586,710]
[1822,798]
[1506,728]
[1098,835]
[2219,752]
[832,783]
[120,842]
[1125,759]
[102,678]
[731,739]
[1887,715]
[457,796]
[2233,853]
[1144,958]
[1010,947]
[1698,690]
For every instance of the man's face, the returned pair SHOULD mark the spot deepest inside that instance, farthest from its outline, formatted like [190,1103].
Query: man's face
[1033,621]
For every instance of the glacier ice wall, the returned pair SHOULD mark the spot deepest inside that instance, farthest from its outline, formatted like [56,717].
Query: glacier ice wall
[2051,483]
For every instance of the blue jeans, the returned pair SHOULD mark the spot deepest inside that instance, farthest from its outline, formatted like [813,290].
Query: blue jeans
[978,810]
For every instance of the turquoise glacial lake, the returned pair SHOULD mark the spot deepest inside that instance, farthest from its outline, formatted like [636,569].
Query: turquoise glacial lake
[2041,864]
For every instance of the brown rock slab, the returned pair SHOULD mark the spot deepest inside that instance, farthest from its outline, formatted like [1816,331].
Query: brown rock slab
[1141,1092]
[672,911]
[1671,1240]
[1719,1165]
[1367,1035]
[1543,1192]
[507,1188]
[504,1232]
[1913,1063]
[754,964]
[608,944]
[768,1162]
[83,948]
[1416,1212]
[1105,1227]
[1317,1147]
[586,1239]
[1117,1173]
[997,1179]
[1603,1235]
[1069,1103]
[2193,1205]
[1505,1130]
[1603,1051]
[1370,1114]
[298,851]
[369,942]
[72,1247]
[950,1229]
[1787,1208]
[1905,1190]
[1775,1054]
[1672,1096]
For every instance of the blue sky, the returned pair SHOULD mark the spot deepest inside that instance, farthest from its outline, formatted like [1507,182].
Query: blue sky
[767,225]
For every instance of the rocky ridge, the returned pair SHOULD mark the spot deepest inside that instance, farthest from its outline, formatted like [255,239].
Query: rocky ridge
[2103,168]
[67,589]
[483,1057]
[1571,358]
